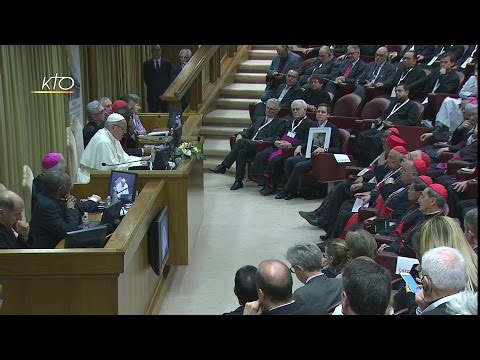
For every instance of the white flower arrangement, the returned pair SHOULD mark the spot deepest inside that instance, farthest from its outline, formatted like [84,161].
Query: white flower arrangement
[188,151]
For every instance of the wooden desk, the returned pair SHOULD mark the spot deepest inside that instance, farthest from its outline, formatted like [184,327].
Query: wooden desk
[116,279]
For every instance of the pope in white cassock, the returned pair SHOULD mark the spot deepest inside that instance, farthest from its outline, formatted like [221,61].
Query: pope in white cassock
[105,147]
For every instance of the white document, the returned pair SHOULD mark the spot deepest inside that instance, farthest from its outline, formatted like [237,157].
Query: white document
[405,264]
[358,205]
[158,133]
[341,158]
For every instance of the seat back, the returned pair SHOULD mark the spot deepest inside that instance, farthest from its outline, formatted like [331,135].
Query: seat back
[348,105]
[308,62]
[411,135]
[27,184]
[421,109]
[326,169]
[77,130]
[461,76]
[344,140]
[375,108]
[399,49]
[2,187]
[72,158]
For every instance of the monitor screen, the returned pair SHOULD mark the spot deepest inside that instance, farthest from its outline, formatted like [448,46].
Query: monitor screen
[87,238]
[111,216]
[123,186]
[158,242]
[161,158]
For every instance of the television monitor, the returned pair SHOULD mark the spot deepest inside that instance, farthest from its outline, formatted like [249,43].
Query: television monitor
[87,238]
[111,215]
[158,242]
[161,158]
[123,186]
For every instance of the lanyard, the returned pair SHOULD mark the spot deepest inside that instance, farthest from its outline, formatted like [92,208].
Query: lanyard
[293,122]
[395,108]
[261,127]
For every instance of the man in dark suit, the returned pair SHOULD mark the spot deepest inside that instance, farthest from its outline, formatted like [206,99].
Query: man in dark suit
[440,80]
[245,288]
[421,51]
[96,119]
[280,66]
[184,56]
[264,128]
[299,164]
[444,277]
[367,288]
[319,290]
[56,211]
[348,71]
[11,207]
[432,61]
[325,65]
[407,73]
[274,285]
[157,74]
[285,93]
[375,74]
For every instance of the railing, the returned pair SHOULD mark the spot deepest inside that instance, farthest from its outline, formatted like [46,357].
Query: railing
[202,69]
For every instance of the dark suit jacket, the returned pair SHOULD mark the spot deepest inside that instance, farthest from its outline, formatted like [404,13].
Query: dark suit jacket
[237,311]
[406,115]
[320,291]
[294,93]
[469,52]
[8,240]
[295,309]
[415,74]
[386,73]
[157,81]
[51,220]
[271,132]
[456,50]
[439,310]
[425,50]
[316,98]
[357,70]
[301,132]
[89,130]
[326,71]
[448,82]
[293,62]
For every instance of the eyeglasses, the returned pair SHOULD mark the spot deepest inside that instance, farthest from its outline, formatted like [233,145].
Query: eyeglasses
[297,109]
[292,269]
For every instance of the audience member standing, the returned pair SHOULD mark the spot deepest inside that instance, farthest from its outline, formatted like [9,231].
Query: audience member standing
[157,74]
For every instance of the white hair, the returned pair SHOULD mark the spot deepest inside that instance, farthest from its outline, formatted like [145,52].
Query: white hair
[446,267]
[464,303]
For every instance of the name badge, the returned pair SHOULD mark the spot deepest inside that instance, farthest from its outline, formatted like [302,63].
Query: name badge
[291,134]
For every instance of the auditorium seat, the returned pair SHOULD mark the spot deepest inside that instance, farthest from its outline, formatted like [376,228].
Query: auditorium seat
[389,261]
[27,184]
[371,111]
[259,146]
[346,110]
[411,135]
[2,187]
[77,130]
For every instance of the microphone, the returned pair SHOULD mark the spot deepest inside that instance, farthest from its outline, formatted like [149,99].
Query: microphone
[122,163]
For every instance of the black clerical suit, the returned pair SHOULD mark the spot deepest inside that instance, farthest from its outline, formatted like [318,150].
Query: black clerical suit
[157,79]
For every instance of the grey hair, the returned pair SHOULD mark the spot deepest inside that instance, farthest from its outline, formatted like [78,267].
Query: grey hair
[302,103]
[185,52]
[105,98]
[354,47]
[134,97]
[446,267]
[464,303]
[274,101]
[471,221]
[438,198]
[92,107]
[307,255]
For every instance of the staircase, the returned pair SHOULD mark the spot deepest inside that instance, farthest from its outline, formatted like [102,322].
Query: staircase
[231,115]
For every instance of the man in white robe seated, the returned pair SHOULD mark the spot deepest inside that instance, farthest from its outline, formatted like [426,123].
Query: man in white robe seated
[104,151]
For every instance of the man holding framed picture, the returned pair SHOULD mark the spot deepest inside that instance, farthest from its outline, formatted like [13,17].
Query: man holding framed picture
[325,137]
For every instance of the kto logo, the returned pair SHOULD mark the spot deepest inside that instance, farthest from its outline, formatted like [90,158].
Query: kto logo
[56,85]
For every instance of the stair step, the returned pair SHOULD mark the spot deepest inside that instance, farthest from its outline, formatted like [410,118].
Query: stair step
[244,91]
[219,131]
[235,103]
[251,78]
[214,147]
[264,47]
[227,117]
[262,54]
[250,66]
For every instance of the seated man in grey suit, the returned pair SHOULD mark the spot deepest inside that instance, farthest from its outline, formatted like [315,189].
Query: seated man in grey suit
[265,128]
[280,66]
[274,286]
[325,65]
[286,93]
[375,74]
[319,290]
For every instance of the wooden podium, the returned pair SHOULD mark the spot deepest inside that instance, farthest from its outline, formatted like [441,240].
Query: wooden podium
[116,279]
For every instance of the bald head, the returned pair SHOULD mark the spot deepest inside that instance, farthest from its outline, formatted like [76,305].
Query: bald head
[11,207]
[275,281]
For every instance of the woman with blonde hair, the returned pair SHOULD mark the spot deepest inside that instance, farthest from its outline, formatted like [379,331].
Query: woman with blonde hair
[444,231]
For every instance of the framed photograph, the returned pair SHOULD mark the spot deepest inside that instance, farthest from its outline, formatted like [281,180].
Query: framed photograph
[318,137]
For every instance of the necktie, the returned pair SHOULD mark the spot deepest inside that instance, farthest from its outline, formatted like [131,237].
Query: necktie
[156,65]
[348,71]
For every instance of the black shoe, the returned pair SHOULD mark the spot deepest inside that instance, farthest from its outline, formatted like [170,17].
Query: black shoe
[237,185]
[290,196]
[312,220]
[219,169]
[268,191]
[281,194]
[308,214]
